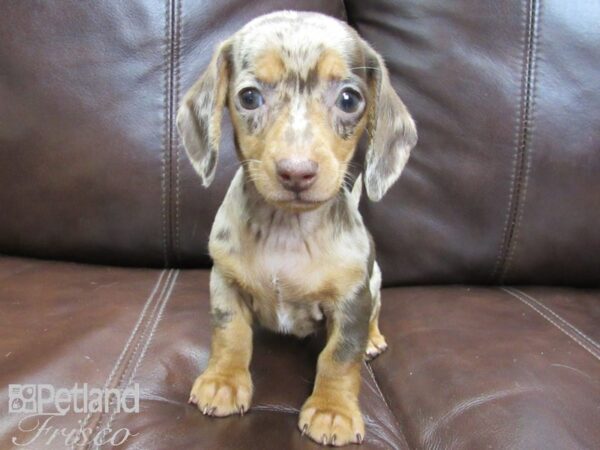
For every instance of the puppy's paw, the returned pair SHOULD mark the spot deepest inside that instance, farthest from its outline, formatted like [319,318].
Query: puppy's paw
[375,346]
[222,394]
[329,421]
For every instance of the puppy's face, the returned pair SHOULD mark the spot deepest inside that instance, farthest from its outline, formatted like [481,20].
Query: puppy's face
[301,88]
[299,105]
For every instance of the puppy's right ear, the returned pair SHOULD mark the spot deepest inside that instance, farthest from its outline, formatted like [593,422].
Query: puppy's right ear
[199,116]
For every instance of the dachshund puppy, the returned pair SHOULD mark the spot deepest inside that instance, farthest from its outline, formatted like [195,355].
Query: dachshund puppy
[289,246]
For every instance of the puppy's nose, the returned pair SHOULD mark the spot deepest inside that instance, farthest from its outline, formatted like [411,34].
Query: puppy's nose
[297,175]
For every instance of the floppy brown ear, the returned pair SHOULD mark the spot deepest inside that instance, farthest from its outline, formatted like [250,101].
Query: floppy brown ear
[391,129]
[199,116]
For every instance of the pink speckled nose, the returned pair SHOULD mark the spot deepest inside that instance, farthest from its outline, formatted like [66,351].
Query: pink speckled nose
[297,175]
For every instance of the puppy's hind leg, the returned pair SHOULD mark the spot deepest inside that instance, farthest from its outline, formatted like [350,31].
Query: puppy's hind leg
[376,344]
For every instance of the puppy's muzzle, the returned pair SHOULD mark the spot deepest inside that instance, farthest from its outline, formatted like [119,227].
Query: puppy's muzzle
[297,175]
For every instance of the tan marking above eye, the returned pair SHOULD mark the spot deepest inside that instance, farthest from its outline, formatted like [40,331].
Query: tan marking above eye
[331,65]
[269,67]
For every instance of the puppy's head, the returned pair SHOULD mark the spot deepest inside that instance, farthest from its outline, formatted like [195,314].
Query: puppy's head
[301,89]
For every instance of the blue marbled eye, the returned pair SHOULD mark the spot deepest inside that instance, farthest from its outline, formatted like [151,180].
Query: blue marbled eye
[251,98]
[349,100]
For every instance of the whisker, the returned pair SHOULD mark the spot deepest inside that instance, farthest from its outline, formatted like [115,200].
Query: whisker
[365,67]
[355,165]
[244,162]
[350,181]
[249,160]
[255,177]
[348,177]
[232,164]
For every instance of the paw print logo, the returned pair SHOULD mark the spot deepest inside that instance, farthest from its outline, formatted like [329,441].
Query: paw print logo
[21,398]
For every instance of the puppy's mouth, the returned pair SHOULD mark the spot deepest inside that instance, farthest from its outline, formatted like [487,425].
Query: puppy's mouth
[299,201]
[275,193]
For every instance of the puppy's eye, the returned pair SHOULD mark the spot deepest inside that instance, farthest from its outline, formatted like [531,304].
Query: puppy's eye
[251,98]
[349,100]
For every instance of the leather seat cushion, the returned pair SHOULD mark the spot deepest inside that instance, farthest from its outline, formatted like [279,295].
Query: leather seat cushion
[466,368]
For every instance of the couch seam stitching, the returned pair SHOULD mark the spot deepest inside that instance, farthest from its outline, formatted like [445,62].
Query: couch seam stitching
[499,258]
[516,295]
[558,317]
[175,135]
[372,374]
[171,38]
[153,325]
[527,133]
[168,296]
[124,350]
[102,415]
[166,81]
[516,172]
[283,410]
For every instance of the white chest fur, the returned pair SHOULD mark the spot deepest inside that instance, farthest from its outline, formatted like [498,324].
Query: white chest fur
[298,265]
[288,247]
[285,263]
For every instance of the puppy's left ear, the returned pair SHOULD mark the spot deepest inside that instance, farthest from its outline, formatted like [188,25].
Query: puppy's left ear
[199,116]
[391,129]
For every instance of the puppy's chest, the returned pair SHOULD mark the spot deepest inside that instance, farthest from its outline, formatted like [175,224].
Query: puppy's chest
[290,259]
[287,275]
[290,275]
[294,263]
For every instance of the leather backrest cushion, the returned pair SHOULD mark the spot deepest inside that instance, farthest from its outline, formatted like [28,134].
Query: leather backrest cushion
[90,161]
[502,186]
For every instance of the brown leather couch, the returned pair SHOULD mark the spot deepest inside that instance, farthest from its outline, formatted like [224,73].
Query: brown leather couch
[489,243]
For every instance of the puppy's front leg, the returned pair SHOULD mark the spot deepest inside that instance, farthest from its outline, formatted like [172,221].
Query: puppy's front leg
[331,415]
[225,387]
